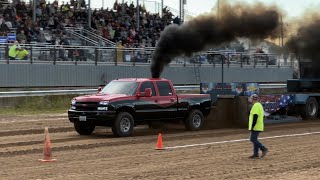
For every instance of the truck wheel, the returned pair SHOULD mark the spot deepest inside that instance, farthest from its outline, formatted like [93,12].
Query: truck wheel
[310,109]
[123,125]
[84,128]
[194,120]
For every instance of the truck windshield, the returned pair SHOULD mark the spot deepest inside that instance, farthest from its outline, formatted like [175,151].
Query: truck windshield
[120,87]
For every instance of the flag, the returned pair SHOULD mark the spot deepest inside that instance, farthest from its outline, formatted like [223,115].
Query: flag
[273,103]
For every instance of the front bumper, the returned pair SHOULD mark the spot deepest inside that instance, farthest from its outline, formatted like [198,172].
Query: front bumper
[98,118]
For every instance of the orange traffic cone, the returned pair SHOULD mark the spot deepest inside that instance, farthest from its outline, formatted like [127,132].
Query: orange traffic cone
[159,143]
[47,153]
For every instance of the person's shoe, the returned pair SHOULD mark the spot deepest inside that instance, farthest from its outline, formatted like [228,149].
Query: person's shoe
[254,157]
[264,153]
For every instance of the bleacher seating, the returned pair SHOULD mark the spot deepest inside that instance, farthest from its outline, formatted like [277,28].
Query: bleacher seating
[51,19]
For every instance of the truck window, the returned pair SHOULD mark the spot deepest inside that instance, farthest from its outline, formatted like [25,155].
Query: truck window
[121,87]
[164,88]
[145,85]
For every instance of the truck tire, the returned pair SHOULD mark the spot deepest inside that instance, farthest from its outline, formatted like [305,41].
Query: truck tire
[84,128]
[123,125]
[194,120]
[310,109]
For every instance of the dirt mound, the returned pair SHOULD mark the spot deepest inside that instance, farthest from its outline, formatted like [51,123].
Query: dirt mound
[229,112]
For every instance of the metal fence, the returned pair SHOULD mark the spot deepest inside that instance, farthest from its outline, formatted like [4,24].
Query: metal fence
[63,54]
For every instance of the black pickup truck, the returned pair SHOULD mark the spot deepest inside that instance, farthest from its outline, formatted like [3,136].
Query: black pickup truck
[125,103]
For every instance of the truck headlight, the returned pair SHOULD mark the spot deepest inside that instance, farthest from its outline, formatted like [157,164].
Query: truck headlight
[73,102]
[104,103]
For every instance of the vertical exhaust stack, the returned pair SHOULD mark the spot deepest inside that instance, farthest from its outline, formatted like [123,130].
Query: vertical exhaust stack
[240,20]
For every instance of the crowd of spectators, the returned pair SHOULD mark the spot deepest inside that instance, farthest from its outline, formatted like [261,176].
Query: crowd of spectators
[117,24]
[120,25]
[49,16]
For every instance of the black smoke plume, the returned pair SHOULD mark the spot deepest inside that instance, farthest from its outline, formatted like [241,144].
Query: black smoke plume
[251,21]
[306,45]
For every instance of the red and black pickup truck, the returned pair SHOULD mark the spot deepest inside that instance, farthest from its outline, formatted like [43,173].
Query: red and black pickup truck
[125,103]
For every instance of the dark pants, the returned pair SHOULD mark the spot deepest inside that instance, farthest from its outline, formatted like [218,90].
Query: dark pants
[256,144]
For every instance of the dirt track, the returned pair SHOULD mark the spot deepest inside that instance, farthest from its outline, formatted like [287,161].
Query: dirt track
[101,156]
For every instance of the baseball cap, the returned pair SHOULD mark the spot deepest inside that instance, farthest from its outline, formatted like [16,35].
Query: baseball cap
[254,97]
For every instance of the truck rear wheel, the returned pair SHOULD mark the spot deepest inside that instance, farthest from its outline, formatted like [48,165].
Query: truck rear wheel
[194,120]
[310,109]
[84,128]
[123,125]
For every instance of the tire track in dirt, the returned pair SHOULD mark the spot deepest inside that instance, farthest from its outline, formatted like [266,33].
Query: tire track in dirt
[34,131]
[88,142]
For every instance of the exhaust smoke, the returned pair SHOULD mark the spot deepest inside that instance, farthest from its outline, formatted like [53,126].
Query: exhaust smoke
[240,20]
[306,44]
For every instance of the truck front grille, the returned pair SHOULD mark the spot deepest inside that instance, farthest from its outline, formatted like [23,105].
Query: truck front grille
[86,106]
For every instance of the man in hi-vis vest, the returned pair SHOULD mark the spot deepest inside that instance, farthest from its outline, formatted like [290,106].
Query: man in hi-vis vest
[256,126]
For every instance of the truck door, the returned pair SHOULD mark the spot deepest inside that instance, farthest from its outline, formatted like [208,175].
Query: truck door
[147,107]
[167,100]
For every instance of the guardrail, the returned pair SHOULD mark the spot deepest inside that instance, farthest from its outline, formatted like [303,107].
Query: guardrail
[118,56]
[91,91]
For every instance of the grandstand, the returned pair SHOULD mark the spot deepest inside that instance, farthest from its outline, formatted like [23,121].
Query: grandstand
[61,33]
[114,25]
[66,24]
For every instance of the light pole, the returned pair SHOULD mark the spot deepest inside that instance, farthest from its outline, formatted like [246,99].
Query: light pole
[122,7]
[138,15]
[34,7]
[180,11]
[161,8]
[89,16]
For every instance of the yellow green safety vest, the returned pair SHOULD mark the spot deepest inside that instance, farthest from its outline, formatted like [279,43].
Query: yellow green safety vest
[13,51]
[257,109]
[22,54]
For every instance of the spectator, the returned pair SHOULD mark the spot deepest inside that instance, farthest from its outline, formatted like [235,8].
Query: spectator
[259,50]
[119,52]
[56,4]
[13,51]
[4,29]
[22,53]
[21,36]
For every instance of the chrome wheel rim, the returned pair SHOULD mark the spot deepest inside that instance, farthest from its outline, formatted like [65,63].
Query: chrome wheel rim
[125,125]
[196,121]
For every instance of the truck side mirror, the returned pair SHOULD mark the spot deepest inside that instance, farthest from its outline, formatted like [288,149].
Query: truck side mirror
[148,92]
